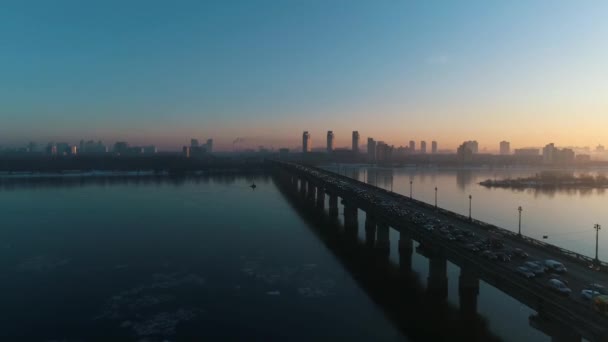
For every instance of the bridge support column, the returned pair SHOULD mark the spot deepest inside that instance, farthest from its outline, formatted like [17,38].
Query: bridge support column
[333,206]
[303,187]
[468,289]
[383,243]
[320,197]
[370,230]
[311,191]
[437,285]
[350,219]
[406,250]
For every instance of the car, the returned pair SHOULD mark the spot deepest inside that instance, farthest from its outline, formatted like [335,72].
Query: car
[450,237]
[535,267]
[587,294]
[468,233]
[518,252]
[558,277]
[526,272]
[555,266]
[504,257]
[559,287]
[489,255]
[471,247]
[597,287]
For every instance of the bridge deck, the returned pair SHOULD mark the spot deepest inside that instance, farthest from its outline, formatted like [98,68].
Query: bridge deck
[409,216]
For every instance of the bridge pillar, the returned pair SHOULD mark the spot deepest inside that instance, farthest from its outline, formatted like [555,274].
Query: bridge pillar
[311,191]
[370,230]
[406,250]
[437,285]
[333,206]
[350,219]
[303,187]
[468,289]
[383,243]
[320,197]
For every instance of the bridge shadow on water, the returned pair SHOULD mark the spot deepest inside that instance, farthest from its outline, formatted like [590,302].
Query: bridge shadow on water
[418,312]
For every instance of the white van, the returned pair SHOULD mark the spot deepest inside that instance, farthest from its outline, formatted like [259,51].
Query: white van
[555,266]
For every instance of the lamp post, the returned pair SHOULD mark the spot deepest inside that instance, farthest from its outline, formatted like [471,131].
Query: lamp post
[597,228]
[435,198]
[470,200]
[519,230]
[411,189]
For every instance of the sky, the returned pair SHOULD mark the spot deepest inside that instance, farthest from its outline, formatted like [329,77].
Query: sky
[161,72]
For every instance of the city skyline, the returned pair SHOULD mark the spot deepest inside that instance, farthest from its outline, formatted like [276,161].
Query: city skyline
[264,72]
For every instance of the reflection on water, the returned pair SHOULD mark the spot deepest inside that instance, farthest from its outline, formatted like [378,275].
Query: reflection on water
[565,215]
[168,259]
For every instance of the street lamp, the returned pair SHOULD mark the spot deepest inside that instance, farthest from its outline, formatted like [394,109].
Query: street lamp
[519,230]
[470,199]
[411,189]
[435,197]
[597,228]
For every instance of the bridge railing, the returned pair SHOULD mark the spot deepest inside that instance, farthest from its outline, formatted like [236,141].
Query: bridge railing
[570,255]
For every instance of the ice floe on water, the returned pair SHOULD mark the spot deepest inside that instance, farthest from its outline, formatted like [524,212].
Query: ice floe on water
[153,308]
[41,264]
[304,280]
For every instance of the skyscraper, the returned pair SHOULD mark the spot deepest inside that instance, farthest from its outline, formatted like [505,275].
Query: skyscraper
[434,147]
[330,141]
[209,145]
[193,142]
[371,150]
[355,142]
[306,142]
[412,146]
[505,148]
[423,146]
[472,145]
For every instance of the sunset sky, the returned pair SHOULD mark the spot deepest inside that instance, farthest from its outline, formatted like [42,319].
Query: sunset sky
[161,72]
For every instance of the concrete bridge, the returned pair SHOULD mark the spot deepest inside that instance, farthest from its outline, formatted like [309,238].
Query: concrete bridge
[564,319]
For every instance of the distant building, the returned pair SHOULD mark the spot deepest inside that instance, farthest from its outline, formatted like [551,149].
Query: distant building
[74,150]
[330,141]
[600,148]
[412,146]
[505,148]
[423,147]
[283,153]
[472,145]
[371,150]
[209,146]
[464,152]
[433,147]
[151,149]
[91,147]
[186,151]
[529,151]
[583,158]
[384,152]
[355,142]
[193,142]
[553,155]
[306,142]
[121,147]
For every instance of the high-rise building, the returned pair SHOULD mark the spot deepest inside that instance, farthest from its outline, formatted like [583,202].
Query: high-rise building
[306,142]
[371,150]
[355,142]
[330,141]
[193,142]
[549,153]
[423,146]
[209,146]
[505,148]
[464,152]
[433,147]
[186,151]
[472,145]
[384,152]
[412,146]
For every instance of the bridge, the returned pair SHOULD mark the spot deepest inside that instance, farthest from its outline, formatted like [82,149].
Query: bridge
[563,318]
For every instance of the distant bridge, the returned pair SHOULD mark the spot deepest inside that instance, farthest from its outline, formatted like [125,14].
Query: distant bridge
[565,319]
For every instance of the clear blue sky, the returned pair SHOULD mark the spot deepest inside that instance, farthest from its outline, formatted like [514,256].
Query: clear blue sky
[163,71]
